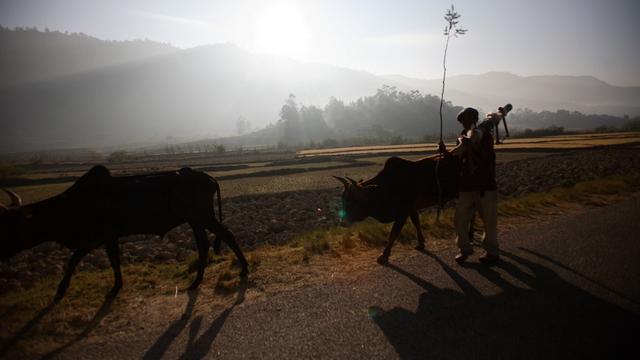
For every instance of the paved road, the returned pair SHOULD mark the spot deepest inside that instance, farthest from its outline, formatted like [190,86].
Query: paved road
[565,289]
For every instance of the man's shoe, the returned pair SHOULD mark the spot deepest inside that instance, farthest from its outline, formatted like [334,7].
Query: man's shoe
[462,256]
[489,259]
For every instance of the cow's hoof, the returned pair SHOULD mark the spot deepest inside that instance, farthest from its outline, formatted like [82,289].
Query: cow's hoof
[420,246]
[383,260]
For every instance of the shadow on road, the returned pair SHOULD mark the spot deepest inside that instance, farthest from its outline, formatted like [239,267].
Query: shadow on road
[104,310]
[196,348]
[199,348]
[564,267]
[28,326]
[547,317]
[164,341]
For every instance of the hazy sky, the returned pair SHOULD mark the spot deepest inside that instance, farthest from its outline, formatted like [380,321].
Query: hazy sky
[563,37]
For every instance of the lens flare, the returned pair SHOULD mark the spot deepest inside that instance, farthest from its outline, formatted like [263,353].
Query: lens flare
[342,214]
[374,312]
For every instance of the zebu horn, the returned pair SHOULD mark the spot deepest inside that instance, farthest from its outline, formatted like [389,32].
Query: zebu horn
[16,201]
[353,182]
[342,180]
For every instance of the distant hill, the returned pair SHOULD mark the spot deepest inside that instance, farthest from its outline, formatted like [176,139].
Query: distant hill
[188,94]
[65,91]
[577,93]
[29,55]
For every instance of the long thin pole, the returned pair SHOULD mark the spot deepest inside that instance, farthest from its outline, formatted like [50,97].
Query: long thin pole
[444,76]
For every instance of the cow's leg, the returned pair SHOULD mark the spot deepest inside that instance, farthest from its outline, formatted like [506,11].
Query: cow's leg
[415,219]
[113,251]
[222,233]
[203,254]
[471,227]
[393,235]
[68,272]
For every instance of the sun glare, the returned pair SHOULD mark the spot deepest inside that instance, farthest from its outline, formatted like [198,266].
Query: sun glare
[282,30]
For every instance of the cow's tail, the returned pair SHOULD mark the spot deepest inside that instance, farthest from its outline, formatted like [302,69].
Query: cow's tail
[216,187]
[219,200]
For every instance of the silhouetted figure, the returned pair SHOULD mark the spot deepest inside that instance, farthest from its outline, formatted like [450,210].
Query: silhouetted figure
[477,191]
[501,114]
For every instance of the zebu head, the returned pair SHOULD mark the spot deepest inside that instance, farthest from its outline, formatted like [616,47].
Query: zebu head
[12,225]
[355,201]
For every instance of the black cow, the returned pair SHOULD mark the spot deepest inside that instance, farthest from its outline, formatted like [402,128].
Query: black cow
[399,191]
[99,208]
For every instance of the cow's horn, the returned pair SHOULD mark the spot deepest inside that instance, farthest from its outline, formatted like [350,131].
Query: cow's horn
[342,180]
[16,201]
[353,182]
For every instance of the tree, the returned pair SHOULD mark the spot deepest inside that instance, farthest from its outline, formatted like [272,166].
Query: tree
[451,30]
[290,119]
[337,114]
[313,124]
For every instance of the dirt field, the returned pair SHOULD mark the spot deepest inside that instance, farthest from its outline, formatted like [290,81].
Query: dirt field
[547,142]
[258,173]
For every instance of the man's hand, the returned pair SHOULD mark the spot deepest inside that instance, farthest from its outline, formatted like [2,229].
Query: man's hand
[467,141]
[442,148]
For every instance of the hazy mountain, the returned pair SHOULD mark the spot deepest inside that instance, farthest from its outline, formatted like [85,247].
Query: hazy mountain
[30,55]
[112,93]
[188,94]
[577,93]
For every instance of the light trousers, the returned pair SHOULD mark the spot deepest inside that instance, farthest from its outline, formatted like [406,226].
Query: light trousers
[487,206]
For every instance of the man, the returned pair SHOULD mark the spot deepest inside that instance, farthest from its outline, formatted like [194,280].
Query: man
[477,185]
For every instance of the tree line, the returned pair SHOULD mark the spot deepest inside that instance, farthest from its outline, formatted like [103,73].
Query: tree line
[391,116]
[386,116]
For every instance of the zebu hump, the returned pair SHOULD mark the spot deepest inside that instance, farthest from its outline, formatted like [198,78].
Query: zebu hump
[97,175]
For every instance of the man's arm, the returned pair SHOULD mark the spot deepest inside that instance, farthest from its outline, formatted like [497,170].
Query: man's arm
[470,139]
[442,149]
[472,136]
